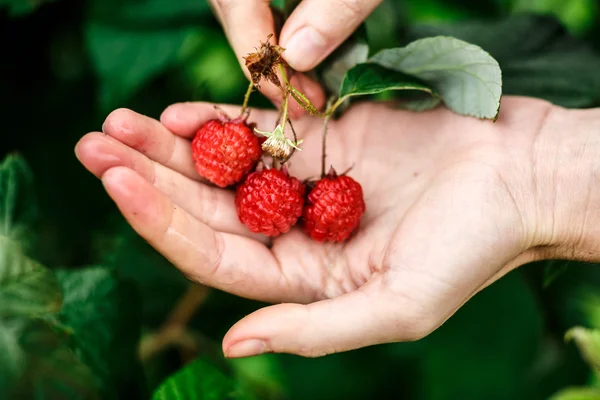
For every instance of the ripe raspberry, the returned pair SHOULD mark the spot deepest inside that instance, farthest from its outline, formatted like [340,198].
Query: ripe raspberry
[225,151]
[334,208]
[270,202]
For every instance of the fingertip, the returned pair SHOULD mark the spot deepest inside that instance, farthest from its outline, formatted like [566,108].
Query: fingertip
[96,153]
[119,121]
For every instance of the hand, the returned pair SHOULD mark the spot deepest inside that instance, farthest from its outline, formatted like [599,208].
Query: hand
[311,33]
[453,204]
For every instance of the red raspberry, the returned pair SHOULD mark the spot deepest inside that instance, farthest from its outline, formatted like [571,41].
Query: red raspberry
[270,202]
[225,151]
[334,208]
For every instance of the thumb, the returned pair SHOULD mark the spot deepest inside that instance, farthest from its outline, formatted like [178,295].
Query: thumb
[317,27]
[368,316]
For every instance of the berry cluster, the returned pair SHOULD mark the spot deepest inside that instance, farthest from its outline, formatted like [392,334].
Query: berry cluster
[228,152]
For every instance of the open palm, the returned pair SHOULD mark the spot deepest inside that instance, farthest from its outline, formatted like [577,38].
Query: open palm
[444,219]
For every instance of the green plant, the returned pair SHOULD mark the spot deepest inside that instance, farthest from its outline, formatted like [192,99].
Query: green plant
[89,310]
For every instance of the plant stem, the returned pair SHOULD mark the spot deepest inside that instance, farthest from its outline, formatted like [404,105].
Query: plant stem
[295,141]
[324,134]
[324,146]
[173,330]
[285,89]
[247,98]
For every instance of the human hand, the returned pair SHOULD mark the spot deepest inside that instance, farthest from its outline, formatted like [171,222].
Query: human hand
[313,30]
[453,204]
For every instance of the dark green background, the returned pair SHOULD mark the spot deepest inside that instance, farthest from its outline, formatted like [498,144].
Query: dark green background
[65,64]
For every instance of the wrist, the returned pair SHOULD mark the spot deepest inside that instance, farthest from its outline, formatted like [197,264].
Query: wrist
[567,180]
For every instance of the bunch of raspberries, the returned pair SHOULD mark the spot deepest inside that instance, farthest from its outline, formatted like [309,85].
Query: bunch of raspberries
[270,201]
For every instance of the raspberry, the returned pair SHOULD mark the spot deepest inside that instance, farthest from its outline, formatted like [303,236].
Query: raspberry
[270,202]
[225,151]
[334,208]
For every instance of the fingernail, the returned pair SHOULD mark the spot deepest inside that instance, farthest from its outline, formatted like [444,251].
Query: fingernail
[247,348]
[304,48]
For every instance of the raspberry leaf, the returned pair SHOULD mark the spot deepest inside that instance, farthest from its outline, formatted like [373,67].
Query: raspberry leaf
[18,208]
[101,311]
[577,393]
[368,78]
[588,342]
[538,57]
[38,361]
[468,79]
[345,58]
[21,7]
[26,287]
[198,380]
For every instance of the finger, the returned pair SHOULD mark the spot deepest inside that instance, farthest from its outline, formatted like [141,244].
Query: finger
[247,23]
[224,261]
[151,138]
[212,206]
[184,119]
[317,27]
[371,315]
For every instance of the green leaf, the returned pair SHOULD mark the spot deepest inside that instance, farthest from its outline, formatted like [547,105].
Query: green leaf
[495,334]
[101,311]
[12,358]
[198,380]
[261,375]
[52,370]
[577,393]
[467,78]
[125,59]
[21,7]
[588,342]
[537,56]
[26,287]
[365,79]
[346,57]
[149,13]
[578,15]
[18,208]
[160,285]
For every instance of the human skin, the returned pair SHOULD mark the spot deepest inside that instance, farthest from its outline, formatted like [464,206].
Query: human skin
[312,32]
[453,204]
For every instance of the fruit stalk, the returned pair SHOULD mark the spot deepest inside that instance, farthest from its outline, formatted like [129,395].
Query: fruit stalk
[247,98]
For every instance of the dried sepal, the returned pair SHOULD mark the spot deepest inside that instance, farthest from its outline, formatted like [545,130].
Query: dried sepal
[263,63]
[277,145]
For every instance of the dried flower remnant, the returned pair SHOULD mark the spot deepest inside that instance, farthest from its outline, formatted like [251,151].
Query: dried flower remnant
[277,145]
[263,63]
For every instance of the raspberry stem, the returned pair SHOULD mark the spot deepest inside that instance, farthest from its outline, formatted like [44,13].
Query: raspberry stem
[247,98]
[295,141]
[285,89]
[324,139]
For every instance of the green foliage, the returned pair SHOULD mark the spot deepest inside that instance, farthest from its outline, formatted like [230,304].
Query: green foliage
[364,79]
[69,334]
[588,341]
[537,56]
[482,347]
[198,380]
[577,394]
[17,196]
[26,287]
[21,7]
[467,78]
[73,332]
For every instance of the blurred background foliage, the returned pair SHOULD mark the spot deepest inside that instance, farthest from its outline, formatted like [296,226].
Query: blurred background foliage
[65,64]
